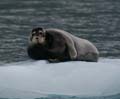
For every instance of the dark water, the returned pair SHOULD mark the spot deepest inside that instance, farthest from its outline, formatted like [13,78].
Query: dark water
[95,20]
[77,97]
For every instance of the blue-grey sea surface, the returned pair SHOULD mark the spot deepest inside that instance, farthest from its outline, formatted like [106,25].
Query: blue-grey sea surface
[95,20]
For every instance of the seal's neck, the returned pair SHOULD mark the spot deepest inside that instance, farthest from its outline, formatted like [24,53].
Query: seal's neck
[49,40]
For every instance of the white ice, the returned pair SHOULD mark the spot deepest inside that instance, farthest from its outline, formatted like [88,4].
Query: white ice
[38,78]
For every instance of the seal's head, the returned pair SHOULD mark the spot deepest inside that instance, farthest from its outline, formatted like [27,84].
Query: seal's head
[37,36]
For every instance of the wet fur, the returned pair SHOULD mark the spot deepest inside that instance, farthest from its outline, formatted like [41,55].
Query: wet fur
[54,50]
[63,46]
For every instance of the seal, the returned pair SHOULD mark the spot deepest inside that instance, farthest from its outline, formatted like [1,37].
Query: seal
[44,45]
[56,45]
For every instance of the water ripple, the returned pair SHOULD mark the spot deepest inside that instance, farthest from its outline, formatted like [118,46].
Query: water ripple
[97,21]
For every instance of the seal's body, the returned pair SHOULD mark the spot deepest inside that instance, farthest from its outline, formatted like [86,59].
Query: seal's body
[57,45]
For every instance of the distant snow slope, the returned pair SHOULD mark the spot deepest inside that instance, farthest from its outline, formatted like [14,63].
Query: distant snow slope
[38,78]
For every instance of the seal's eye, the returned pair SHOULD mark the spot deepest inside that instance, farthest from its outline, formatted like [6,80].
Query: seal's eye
[33,33]
[40,32]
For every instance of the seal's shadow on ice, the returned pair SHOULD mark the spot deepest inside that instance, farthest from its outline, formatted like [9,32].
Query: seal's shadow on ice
[56,45]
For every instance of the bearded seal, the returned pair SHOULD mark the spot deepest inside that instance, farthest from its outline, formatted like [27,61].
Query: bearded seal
[57,45]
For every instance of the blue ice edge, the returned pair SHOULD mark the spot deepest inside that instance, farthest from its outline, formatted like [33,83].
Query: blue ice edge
[69,80]
[53,96]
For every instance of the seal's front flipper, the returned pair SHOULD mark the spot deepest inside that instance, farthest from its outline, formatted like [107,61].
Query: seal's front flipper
[53,60]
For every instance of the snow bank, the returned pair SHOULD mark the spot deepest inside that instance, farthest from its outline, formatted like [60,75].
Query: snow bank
[38,78]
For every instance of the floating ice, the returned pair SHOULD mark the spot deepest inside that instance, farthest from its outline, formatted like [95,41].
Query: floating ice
[38,78]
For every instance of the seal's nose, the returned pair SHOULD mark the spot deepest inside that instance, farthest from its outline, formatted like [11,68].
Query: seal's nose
[36,38]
